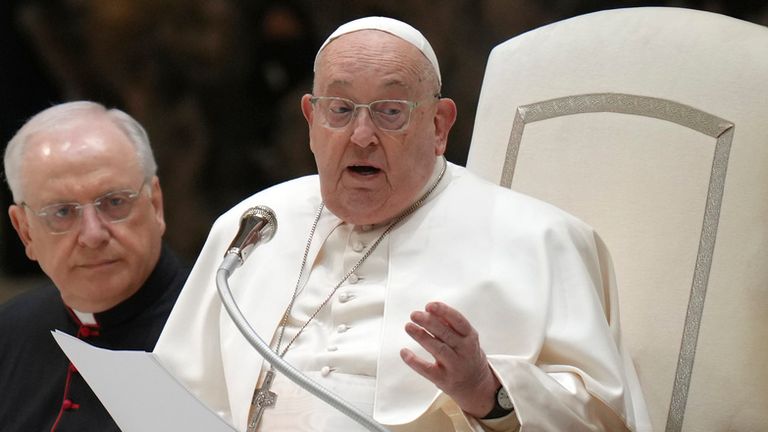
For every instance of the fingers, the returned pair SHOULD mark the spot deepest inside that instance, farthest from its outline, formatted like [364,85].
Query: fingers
[460,367]
[442,351]
[451,316]
[424,368]
[434,328]
[446,325]
[444,333]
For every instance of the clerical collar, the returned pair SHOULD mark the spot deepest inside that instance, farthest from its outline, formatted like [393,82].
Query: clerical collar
[85,318]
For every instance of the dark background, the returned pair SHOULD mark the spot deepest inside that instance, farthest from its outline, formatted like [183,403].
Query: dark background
[216,83]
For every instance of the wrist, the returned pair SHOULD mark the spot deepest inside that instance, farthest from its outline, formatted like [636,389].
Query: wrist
[482,398]
[502,407]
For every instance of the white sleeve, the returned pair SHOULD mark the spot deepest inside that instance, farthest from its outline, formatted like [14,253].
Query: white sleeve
[189,345]
[579,381]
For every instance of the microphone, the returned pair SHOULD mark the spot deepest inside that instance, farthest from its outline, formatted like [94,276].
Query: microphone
[257,226]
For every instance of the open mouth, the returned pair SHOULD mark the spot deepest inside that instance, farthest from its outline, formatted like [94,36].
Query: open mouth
[365,170]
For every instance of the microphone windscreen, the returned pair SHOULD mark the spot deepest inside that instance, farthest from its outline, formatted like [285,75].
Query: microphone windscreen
[257,225]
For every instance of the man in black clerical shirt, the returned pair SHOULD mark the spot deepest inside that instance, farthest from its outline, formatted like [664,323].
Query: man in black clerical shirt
[89,209]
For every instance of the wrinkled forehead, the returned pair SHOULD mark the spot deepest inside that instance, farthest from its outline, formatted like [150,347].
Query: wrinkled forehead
[393,27]
[374,61]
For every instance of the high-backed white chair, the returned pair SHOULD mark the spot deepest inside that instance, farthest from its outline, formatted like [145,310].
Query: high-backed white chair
[651,124]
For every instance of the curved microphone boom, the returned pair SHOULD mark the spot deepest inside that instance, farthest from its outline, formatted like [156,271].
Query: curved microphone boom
[257,226]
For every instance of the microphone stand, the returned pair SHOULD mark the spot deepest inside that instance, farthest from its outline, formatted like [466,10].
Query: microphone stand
[231,262]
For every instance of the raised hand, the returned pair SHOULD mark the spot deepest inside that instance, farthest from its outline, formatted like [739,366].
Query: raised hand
[460,368]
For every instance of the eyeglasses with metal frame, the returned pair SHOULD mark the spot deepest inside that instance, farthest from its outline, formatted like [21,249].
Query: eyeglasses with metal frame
[113,207]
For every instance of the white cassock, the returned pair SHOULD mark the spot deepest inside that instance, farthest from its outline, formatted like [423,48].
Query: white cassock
[534,281]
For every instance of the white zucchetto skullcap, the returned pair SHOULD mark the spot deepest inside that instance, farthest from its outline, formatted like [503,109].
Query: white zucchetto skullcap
[389,25]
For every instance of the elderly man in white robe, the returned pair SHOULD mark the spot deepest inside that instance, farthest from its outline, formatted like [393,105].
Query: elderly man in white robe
[424,296]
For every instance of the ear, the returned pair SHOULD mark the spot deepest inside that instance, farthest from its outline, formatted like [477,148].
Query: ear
[445,117]
[21,225]
[306,108]
[157,202]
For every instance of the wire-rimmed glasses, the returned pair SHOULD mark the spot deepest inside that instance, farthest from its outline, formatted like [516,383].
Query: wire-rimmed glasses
[113,207]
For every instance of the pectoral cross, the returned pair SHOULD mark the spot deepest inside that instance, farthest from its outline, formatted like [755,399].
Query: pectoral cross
[262,398]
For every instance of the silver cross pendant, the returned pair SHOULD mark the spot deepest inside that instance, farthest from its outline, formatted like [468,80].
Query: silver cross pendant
[262,398]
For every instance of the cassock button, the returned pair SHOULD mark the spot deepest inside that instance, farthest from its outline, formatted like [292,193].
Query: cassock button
[68,405]
[345,297]
[353,278]
[342,328]
[366,228]
[325,371]
[332,348]
[358,246]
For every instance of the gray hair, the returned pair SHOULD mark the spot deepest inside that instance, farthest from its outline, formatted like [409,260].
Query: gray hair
[65,115]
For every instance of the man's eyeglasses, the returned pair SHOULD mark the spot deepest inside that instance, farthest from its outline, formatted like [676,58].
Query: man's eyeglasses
[387,115]
[112,207]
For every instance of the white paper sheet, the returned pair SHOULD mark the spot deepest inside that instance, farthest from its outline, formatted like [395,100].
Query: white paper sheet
[137,391]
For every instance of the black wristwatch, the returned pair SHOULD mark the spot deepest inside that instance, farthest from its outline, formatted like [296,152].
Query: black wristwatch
[502,407]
